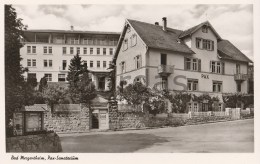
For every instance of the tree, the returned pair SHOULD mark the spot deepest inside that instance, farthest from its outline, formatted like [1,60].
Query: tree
[55,95]
[14,80]
[81,88]
[43,84]
[32,81]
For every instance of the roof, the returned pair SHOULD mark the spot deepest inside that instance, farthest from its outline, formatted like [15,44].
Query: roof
[227,50]
[35,108]
[155,37]
[71,31]
[191,30]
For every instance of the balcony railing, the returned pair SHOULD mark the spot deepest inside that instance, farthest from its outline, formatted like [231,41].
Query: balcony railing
[240,77]
[165,70]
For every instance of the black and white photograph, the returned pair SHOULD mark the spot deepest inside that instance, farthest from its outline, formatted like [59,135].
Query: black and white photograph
[128,78]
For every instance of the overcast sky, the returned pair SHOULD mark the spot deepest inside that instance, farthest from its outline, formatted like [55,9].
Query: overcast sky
[232,22]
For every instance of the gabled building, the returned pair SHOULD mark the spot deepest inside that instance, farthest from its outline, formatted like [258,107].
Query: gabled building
[196,60]
[48,53]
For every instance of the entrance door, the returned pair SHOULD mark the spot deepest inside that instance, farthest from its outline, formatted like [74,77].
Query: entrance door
[101,83]
[95,122]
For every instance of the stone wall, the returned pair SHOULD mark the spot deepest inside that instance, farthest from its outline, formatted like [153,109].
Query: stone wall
[124,119]
[49,142]
[68,121]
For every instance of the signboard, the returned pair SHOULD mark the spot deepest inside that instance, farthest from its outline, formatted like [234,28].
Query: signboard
[205,76]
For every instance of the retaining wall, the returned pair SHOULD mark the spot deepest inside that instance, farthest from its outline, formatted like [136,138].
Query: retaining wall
[49,142]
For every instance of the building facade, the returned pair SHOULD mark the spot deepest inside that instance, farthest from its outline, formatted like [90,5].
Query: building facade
[48,53]
[196,60]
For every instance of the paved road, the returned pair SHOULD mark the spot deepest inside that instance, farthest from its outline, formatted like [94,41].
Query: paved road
[233,136]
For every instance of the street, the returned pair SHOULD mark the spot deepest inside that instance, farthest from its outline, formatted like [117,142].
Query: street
[223,137]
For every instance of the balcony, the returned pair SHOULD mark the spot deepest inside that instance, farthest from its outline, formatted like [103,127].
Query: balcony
[165,70]
[240,77]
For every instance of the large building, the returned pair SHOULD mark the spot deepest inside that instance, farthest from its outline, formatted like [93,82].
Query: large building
[196,60]
[48,53]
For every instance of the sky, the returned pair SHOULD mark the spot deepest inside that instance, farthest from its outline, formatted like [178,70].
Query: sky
[232,22]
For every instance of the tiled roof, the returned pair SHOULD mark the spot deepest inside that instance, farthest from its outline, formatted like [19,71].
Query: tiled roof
[227,50]
[155,37]
[195,28]
[71,31]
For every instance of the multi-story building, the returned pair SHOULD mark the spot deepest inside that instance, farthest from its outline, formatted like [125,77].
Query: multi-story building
[196,60]
[48,53]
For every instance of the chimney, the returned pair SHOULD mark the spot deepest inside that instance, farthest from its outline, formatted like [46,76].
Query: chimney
[164,21]
[71,28]
[156,23]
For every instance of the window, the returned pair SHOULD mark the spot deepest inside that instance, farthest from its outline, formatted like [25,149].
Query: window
[217,86]
[71,50]
[48,76]
[205,29]
[237,68]
[192,85]
[111,51]
[98,64]
[34,49]
[104,51]
[64,50]
[98,51]
[219,107]
[122,64]
[133,40]
[47,50]
[50,63]
[104,64]
[91,51]
[28,49]
[193,64]
[74,41]
[29,63]
[34,62]
[217,67]
[64,64]
[78,50]
[85,50]
[50,50]
[205,44]
[125,45]
[199,43]
[164,83]
[91,64]
[195,107]
[61,77]
[47,63]
[85,63]
[190,107]
[138,61]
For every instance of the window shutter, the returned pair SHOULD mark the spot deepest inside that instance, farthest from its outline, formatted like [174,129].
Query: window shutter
[212,45]
[199,65]
[140,60]
[185,63]
[210,66]
[135,62]
[223,67]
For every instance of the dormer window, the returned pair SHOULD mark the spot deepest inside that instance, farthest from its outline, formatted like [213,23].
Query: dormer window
[205,29]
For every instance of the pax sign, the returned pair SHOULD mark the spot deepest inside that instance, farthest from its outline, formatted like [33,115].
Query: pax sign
[204,76]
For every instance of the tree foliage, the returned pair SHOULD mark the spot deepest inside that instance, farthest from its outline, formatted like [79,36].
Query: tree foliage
[81,88]
[235,100]
[43,84]
[15,85]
